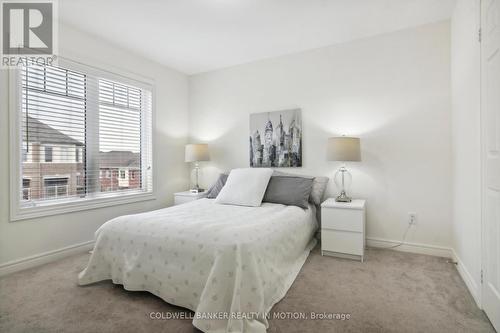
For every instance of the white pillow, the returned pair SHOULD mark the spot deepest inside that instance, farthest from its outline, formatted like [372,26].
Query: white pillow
[245,187]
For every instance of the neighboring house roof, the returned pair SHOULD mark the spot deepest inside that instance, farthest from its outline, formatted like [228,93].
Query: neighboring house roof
[38,131]
[119,159]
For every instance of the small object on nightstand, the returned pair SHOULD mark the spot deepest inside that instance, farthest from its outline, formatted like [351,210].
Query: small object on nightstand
[343,228]
[187,196]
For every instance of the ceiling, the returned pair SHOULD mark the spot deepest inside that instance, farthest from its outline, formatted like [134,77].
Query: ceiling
[195,36]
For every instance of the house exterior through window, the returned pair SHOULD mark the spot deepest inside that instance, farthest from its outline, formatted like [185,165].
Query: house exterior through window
[81,134]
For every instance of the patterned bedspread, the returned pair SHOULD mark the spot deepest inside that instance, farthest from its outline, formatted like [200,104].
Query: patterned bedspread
[229,264]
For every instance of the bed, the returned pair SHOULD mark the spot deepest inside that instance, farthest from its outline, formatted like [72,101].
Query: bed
[229,264]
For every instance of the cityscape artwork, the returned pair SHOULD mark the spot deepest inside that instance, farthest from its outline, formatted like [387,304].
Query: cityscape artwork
[276,139]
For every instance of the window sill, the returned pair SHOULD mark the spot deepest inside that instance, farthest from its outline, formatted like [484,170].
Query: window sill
[50,209]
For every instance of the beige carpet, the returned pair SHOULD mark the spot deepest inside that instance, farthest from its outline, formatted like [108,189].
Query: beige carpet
[390,292]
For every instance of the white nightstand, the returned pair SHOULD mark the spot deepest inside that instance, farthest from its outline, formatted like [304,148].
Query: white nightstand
[343,228]
[187,196]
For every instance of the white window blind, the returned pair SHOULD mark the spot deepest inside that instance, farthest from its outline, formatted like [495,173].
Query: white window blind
[84,135]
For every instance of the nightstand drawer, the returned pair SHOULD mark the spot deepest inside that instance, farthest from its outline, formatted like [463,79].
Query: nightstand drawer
[342,242]
[342,219]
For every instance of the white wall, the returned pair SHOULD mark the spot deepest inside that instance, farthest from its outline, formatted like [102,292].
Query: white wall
[465,88]
[26,238]
[392,90]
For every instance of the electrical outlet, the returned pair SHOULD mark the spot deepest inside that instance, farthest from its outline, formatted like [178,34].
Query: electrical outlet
[412,218]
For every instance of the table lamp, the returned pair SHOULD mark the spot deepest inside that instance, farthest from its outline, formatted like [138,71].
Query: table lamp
[197,153]
[343,149]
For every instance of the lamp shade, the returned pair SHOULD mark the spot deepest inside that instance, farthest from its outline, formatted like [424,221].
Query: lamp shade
[344,149]
[197,152]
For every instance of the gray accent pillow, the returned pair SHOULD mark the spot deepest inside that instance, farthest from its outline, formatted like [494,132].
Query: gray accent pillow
[287,190]
[318,186]
[213,192]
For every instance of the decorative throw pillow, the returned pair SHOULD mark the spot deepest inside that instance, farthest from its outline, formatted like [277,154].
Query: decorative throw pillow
[245,187]
[217,187]
[286,190]
[318,186]
[318,189]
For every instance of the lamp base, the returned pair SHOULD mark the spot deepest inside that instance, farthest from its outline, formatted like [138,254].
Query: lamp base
[342,197]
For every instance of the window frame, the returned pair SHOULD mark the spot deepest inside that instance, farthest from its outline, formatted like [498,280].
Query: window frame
[18,211]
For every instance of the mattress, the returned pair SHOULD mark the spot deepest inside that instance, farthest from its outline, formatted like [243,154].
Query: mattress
[229,264]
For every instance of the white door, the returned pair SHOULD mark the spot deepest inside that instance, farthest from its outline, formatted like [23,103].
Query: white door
[490,114]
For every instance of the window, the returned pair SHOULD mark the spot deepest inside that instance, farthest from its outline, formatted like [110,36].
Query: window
[86,123]
[26,189]
[55,187]
[48,154]
[80,185]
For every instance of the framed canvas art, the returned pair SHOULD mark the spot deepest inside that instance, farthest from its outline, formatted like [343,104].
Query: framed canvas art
[276,139]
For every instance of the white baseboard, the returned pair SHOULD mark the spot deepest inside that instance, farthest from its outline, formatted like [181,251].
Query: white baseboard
[44,258]
[474,287]
[419,248]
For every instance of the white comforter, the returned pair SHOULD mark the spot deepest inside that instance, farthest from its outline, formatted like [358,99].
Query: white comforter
[229,264]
